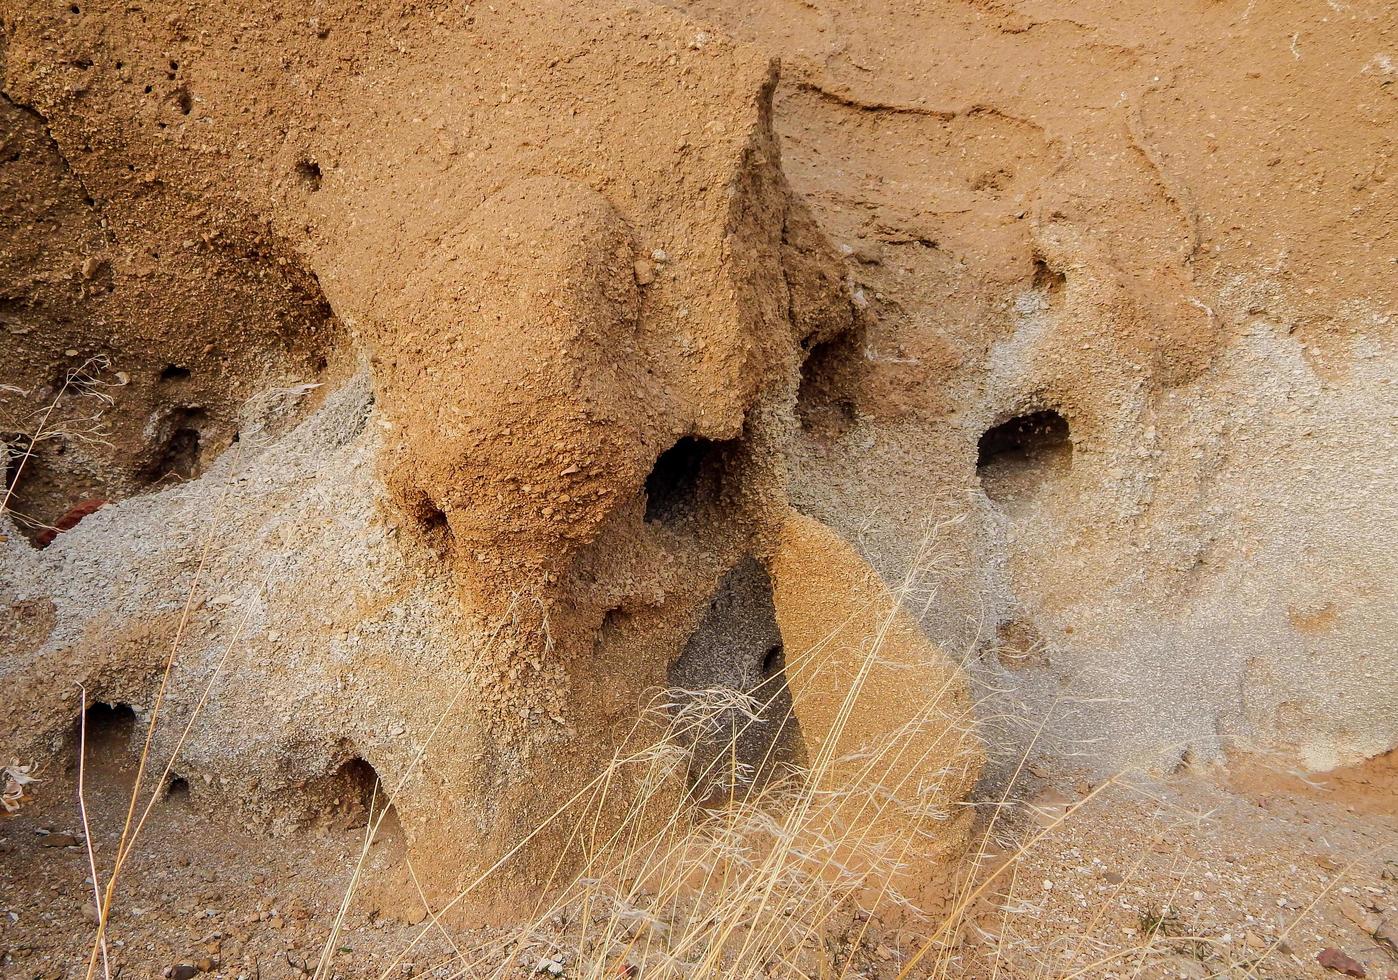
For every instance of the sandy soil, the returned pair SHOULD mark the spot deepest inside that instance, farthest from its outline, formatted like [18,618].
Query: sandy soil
[1152,878]
[491,339]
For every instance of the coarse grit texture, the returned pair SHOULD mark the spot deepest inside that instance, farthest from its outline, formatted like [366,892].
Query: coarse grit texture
[453,356]
[484,384]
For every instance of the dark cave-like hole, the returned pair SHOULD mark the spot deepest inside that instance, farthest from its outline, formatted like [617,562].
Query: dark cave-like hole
[1046,279]
[614,620]
[428,517]
[773,661]
[1015,458]
[360,796]
[177,790]
[181,455]
[433,518]
[309,173]
[107,730]
[359,786]
[737,647]
[30,477]
[174,372]
[825,403]
[179,452]
[687,478]
[108,718]
[72,381]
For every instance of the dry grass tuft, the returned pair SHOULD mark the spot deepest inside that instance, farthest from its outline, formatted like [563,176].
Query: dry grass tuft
[779,870]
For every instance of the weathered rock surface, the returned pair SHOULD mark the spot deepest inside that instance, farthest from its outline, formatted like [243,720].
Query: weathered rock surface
[564,254]
[465,364]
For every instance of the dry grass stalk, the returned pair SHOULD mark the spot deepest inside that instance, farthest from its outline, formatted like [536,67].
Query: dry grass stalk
[790,858]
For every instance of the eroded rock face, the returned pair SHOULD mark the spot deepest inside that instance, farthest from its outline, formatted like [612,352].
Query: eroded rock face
[863,676]
[565,251]
[1090,212]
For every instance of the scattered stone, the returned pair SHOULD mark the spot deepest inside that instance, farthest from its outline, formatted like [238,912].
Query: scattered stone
[58,840]
[1049,807]
[206,965]
[68,521]
[185,971]
[1188,967]
[645,272]
[1359,915]
[1340,962]
[1387,934]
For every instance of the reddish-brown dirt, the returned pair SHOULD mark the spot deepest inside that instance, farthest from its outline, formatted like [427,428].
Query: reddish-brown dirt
[430,382]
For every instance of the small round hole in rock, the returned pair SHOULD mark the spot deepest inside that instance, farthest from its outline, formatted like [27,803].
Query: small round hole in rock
[773,662]
[107,731]
[177,790]
[433,519]
[825,400]
[1048,280]
[614,621]
[309,173]
[179,454]
[361,797]
[106,719]
[428,517]
[1016,458]
[359,786]
[686,479]
[174,372]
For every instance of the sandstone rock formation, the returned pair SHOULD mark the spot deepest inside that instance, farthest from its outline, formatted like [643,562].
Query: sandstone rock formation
[477,387]
[1173,229]
[465,364]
